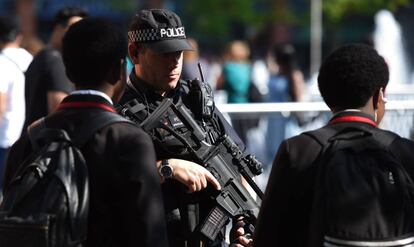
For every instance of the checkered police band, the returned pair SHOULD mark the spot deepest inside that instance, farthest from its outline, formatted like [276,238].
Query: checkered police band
[151,35]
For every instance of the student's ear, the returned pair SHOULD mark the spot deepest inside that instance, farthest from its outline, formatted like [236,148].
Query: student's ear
[382,97]
[379,98]
[133,53]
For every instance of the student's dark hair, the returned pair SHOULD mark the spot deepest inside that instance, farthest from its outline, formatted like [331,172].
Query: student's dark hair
[350,75]
[92,48]
[9,28]
[64,14]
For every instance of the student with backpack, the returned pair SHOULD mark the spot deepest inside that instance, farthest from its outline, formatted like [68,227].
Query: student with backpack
[348,183]
[117,200]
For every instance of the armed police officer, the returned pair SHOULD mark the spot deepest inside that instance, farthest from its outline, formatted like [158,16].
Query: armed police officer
[156,44]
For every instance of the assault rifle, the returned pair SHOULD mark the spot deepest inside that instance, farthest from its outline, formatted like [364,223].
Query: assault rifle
[223,159]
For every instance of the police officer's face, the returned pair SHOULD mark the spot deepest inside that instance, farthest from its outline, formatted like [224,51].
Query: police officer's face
[161,71]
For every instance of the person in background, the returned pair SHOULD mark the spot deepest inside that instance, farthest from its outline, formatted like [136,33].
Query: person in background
[13,63]
[33,45]
[191,59]
[287,85]
[236,79]
[46,80]
[125,201]
[190,62]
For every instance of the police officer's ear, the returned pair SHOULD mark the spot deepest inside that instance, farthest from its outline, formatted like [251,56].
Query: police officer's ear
[133,53]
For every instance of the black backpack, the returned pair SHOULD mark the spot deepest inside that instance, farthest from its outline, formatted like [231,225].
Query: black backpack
[47,202]
[363,194]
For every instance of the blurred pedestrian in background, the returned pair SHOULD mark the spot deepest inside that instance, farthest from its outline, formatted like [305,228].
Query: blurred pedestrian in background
[13,63]
[235,80]
[46,80]
[287,85]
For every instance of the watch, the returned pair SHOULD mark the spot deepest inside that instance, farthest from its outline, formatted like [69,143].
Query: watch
[166,170]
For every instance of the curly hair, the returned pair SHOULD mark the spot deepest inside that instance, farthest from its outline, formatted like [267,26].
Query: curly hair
[350,75]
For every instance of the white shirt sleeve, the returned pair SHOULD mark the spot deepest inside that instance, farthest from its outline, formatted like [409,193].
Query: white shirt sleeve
[4,78]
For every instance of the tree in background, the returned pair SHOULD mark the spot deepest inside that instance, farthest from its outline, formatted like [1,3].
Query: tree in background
[336,10]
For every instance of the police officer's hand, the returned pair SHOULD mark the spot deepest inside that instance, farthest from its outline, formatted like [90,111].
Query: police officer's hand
[238,235]
[192,175]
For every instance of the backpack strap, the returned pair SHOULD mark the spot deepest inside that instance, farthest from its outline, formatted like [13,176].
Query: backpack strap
[39,135]
[322,135]
[97,122]
[385,138]
[316,218]
[325,135]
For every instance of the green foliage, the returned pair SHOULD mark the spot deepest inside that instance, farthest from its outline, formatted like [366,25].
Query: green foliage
[217,21]
[122,5]
[335,10]
[218,18]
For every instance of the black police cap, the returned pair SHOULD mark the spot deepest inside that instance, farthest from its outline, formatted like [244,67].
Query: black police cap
[159,29]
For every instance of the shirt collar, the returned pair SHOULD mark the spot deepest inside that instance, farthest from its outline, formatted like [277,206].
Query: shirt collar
[346,112]
[92,92]
[352,115]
